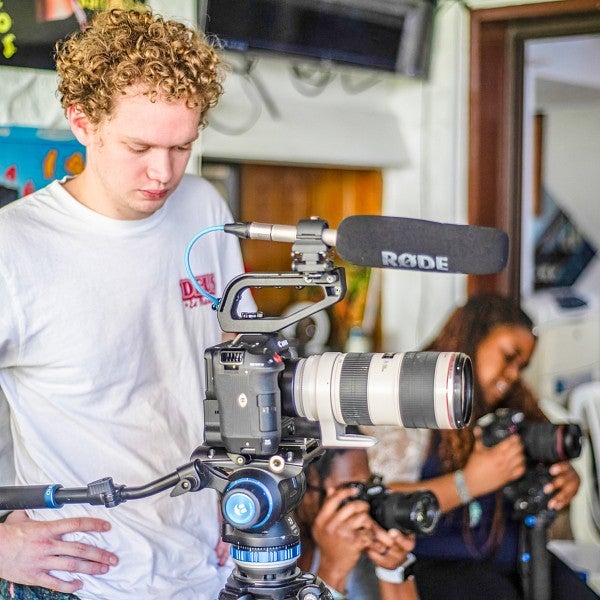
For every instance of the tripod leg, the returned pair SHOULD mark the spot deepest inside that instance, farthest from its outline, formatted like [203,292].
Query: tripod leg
[534,559]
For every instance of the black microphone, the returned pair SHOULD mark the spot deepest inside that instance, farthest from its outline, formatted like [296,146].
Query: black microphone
[401,243]
[417,245]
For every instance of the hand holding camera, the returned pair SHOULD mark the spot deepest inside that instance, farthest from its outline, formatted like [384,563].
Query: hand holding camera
[549,481]
[491,468]
[563,486]
[344,529]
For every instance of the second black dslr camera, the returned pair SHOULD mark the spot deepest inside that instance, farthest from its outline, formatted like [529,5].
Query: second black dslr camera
[545,444]
[416,512]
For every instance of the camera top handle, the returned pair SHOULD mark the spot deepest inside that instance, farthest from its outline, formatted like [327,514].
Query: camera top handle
[311,266]
[333,284]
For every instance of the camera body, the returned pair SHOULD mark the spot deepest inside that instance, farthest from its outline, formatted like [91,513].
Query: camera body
[242,406]
[416,512]
[544,443]
[255,391]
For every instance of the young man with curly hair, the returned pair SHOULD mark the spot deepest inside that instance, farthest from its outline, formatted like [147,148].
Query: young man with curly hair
[101,341]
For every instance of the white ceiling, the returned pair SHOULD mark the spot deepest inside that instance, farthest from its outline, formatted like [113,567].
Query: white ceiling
[566,71]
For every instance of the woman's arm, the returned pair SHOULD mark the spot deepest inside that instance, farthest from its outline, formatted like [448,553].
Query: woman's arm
[487,470]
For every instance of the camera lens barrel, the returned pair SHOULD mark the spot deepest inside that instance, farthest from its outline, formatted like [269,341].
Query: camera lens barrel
[549,443]
[418,512]
[544,442]
[431,390]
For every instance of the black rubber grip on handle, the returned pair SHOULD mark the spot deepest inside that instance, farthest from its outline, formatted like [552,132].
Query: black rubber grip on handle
[28,496]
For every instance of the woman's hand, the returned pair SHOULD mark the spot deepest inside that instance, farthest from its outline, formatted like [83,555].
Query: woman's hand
[29,550]
[489,469]
[564,485]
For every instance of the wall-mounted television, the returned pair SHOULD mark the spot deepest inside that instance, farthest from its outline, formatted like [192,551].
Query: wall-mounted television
[29,29]
[385,35]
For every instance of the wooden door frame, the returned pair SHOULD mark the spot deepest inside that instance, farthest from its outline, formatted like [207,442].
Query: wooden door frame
[498,36]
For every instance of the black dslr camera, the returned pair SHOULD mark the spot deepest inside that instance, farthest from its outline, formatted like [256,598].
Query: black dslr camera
[545,444]
[416,512]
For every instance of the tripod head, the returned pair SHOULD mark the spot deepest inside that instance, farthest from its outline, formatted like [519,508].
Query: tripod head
[257,500]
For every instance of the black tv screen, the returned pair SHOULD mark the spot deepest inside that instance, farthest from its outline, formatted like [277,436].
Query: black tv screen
[29,29]
[387,35]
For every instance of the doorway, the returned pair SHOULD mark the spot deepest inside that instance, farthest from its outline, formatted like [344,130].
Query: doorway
[560,229]
[498,37]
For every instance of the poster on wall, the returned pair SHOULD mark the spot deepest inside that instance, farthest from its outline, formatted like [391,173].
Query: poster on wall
[29,29]
[31,158]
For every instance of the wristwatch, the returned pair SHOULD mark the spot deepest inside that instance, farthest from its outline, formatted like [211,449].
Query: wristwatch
[399,574]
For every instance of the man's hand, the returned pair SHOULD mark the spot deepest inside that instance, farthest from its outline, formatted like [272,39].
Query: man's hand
[29,550]
[341,533]
[222,550]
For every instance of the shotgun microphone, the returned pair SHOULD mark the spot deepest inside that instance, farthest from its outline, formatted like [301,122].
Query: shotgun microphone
[401,243]
[414,244]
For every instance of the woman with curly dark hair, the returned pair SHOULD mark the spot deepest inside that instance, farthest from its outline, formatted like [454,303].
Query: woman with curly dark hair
[473,553]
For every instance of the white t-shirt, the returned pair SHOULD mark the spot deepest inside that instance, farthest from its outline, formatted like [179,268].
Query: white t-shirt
[102,342]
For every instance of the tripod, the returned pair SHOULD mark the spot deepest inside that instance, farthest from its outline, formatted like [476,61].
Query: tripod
[256,501]
[534,557]
[530,505]
[257,498]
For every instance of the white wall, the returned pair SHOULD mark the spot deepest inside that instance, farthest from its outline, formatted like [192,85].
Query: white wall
[571,165]
[573,178]
[29,98]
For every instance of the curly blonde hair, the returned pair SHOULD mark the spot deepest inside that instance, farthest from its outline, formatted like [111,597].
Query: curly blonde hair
[122,48]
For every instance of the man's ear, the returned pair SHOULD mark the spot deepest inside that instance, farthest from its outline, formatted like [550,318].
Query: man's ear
[80,124]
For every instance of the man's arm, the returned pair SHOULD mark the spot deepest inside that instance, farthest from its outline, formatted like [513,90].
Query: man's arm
[391,554]
[406,590]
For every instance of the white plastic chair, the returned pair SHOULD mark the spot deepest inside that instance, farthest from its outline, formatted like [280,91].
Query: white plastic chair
[584,408]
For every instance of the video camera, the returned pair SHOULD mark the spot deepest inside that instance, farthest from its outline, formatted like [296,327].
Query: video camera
[257,391]
[255,387]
